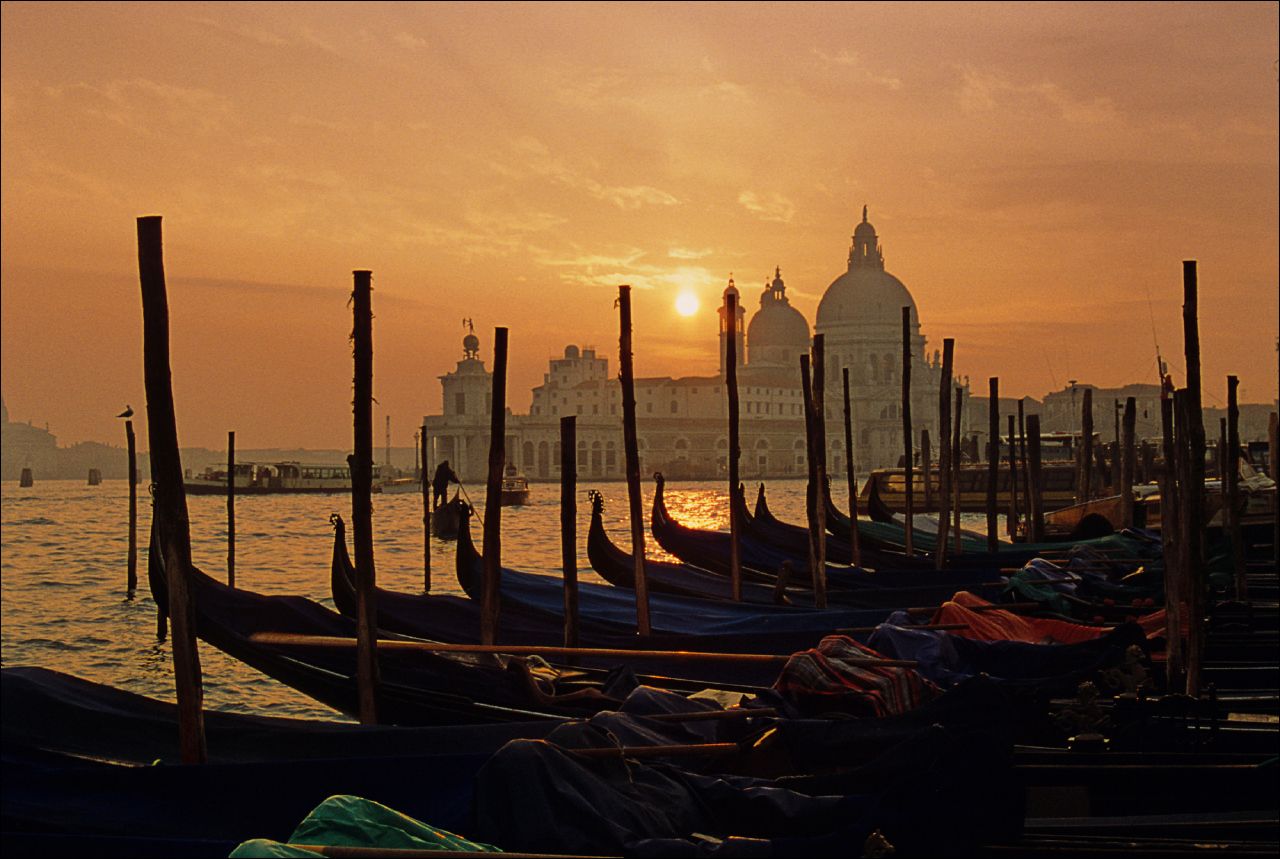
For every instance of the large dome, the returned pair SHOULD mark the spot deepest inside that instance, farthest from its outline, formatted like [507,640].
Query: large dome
[778,332]
[866,294]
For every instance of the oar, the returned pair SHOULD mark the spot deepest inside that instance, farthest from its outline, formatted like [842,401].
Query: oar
[714,750]
[533,650]
[933,627]
[1008,606]
[344,852]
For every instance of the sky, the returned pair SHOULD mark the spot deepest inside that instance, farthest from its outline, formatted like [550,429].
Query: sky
[1036,173]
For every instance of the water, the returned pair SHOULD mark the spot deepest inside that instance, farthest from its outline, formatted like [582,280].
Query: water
[65,545]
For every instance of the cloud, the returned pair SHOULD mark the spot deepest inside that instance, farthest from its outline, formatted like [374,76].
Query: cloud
[851,61]
[689,253]
[534,158]
[140,105]
[985,91]
[768,207]
[253,34]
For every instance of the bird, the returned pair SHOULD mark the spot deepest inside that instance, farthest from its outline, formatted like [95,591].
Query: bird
[127,413]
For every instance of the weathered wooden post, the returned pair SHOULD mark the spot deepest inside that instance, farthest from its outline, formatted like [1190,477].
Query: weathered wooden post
[820,445]
[131,583]
[1232,483]
[926,465]
[1013,476]
[944,453]
[493,493]
[426,513]
[569,525]
[851,474]
[956,459]
[908,465]
[174,530]
[1037,486]
[630,442]
[1195,489]
[1170,539]
[1273,464]
[731,386]
[817,573]
[1086,456]
[993,460]
[1128,457]
[1188,525]
[1022,459]
[360,464]
[231,508]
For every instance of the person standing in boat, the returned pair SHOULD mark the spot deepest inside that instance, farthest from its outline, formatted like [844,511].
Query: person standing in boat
[440,483]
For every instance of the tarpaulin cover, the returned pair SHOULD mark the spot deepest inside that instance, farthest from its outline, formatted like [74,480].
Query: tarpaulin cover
[832,678]
[948,659]
[1000,625]
[349,821]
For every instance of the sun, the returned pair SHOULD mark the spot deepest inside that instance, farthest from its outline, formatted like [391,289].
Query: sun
[686,303]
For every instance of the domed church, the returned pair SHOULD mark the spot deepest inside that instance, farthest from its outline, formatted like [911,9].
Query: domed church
[860,316]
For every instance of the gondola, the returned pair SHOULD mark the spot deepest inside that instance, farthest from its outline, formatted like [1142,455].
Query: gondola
[416,688]
[884,531]
[850,587]
[709,550]
[446,518]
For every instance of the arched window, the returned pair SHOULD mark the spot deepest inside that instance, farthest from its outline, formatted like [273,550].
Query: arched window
[874,366]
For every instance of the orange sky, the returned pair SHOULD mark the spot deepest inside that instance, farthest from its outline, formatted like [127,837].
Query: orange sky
[1037,173]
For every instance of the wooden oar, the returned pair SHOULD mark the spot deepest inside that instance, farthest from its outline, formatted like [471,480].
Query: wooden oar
[344,852]
[925,627]
[1008,606]
[715,715]
[715,750]
[533,650]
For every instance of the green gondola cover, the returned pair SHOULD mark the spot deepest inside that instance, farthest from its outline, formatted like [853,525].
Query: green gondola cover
[349,821]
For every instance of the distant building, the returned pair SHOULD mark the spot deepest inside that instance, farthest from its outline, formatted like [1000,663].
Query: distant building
[25,446]
[682,422]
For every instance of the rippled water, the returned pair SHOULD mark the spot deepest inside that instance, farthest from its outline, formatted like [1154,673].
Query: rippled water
[63,569]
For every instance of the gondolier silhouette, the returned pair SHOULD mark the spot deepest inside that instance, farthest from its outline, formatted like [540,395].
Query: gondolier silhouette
[440,483]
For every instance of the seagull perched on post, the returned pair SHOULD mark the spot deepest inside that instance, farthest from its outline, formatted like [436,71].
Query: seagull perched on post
[127,413]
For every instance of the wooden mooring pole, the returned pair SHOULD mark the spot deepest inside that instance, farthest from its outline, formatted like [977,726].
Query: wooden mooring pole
[817,575]
[492,603]
[1086,447]
[956,459]
[1013,476]
[231,508]
[630,442]
[1195,488]
[1036,500]
[993,460]
[820,449]
[426,514]
[1232,484]
[926,466]
[569,525]
[851,473]
[1128,459]
[131,583]
[360,464]
[944,453]
[731,386]
[908,472]
[1169,538]
[174,530]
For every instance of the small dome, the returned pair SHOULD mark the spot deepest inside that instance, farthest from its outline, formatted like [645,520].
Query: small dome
[778,333]
[571,351]
[471,345]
